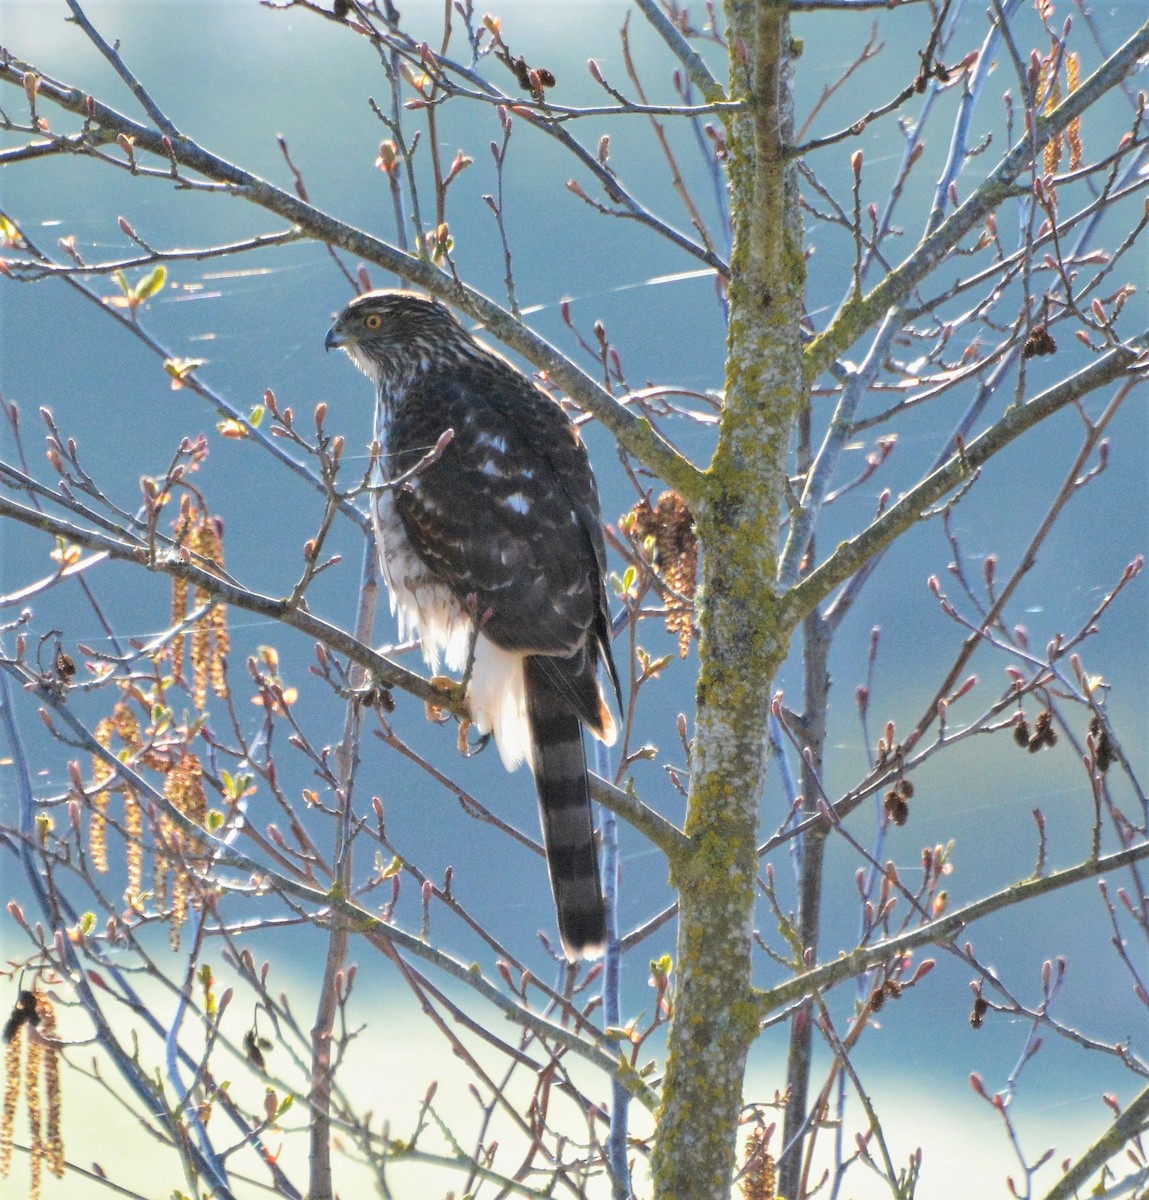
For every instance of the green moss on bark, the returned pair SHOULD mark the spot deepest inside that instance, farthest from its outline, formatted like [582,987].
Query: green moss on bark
[744,635]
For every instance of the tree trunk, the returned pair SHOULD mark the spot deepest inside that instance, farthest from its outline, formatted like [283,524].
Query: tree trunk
[744,638]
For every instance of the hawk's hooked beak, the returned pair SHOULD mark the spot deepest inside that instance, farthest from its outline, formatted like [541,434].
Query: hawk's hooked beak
[334,338]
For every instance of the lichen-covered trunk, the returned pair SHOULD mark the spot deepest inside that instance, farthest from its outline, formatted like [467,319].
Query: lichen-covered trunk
[743,636]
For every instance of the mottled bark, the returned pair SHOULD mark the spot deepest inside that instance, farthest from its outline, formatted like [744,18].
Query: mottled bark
[742,639]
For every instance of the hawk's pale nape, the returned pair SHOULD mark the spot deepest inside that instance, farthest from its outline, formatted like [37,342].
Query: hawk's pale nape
[505,525]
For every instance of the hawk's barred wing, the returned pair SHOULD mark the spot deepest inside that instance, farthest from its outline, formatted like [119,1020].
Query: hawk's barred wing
[508,513]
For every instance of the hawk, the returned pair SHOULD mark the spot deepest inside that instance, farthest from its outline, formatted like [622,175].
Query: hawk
[493,553]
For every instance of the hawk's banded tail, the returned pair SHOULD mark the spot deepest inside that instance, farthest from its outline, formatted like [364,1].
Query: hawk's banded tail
[565,811]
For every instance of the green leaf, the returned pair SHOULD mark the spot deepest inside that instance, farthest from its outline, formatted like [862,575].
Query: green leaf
[121,281]
[87,923]
[661,968]
[652,666]
[235,786]
[151,283]
[393,868]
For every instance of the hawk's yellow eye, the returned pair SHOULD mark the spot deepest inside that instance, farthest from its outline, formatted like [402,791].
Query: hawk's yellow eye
[373,321]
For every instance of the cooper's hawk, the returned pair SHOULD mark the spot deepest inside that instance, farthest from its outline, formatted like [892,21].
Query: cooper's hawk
[498,542]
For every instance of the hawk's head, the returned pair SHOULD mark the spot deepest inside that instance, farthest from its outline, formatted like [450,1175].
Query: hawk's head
[388,333]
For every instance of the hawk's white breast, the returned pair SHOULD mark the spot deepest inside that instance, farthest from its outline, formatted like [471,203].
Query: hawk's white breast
[425,608]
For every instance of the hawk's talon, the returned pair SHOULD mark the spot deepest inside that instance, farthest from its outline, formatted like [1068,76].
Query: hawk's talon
[466,748]
[452,691]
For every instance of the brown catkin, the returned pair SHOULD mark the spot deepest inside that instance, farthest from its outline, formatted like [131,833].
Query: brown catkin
[161,864]
[53,1141]
[1073,132]
[12,1079]
[1052,99]
[128,726]
[195,797]
[179,914]
[98,823]
[678,551]
[179,612]
[183,786]
[124,723]
[758,1180]
[101,769]
[201,643]
[180,594]
[217,664]
[671,525]
[35,1115]
[134,832]
[210,641]
[98,831]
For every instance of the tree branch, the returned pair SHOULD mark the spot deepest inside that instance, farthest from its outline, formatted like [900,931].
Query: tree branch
[700,74]
[1130,1124]
[944,929]
[861,312]
[850,556]
[599,1053]
[635,433]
